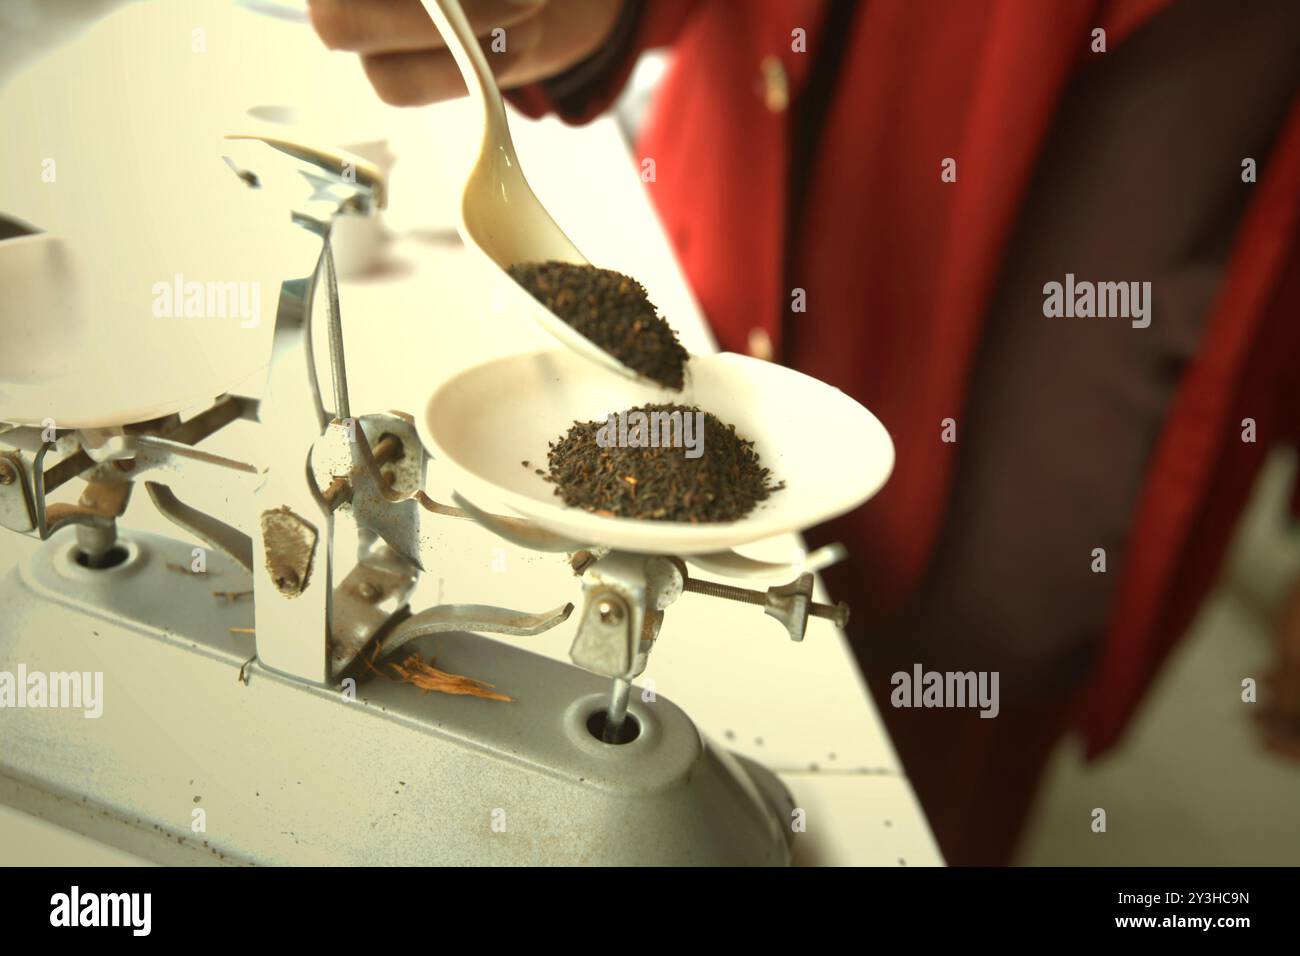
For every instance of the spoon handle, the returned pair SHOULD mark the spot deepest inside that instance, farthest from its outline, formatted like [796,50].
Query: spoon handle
[452,23]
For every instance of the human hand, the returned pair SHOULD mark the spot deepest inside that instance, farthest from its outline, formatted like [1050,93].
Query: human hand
[408,64]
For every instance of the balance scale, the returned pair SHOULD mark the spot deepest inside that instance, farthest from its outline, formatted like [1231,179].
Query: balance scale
[279,709]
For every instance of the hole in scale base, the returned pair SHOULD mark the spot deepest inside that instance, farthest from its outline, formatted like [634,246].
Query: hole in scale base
[110,558]
[626,734]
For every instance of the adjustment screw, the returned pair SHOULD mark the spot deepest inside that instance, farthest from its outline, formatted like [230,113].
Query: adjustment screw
[611,612]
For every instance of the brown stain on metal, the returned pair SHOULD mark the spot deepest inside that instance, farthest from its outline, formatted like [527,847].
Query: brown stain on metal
[290,548]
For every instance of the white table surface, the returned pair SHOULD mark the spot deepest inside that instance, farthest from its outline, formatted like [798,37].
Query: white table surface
[801,709]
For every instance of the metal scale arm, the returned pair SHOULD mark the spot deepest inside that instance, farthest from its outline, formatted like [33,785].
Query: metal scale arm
[625,595]
[334,496]
[338,485]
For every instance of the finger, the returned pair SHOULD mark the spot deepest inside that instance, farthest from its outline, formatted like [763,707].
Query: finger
[416,78]
[391,26]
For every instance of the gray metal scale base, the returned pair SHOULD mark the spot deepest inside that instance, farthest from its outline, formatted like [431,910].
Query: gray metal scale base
[192,763]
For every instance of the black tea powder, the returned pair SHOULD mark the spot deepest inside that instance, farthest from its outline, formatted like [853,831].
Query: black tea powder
[660,482]
[613,311]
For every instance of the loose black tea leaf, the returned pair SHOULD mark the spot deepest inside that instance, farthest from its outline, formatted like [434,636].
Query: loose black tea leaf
[613,311]
[626,477]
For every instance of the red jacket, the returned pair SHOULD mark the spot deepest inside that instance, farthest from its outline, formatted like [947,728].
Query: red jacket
[934,80]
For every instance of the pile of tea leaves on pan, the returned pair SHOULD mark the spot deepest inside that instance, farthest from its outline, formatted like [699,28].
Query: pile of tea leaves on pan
[707,473]
[613,311]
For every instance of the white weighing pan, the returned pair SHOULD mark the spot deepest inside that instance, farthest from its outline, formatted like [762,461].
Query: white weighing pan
[480,425]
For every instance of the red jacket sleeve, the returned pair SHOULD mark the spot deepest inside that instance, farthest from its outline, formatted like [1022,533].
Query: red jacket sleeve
[586,90]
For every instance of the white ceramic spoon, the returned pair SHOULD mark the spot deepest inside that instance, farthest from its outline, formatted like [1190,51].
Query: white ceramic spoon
[500,217]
